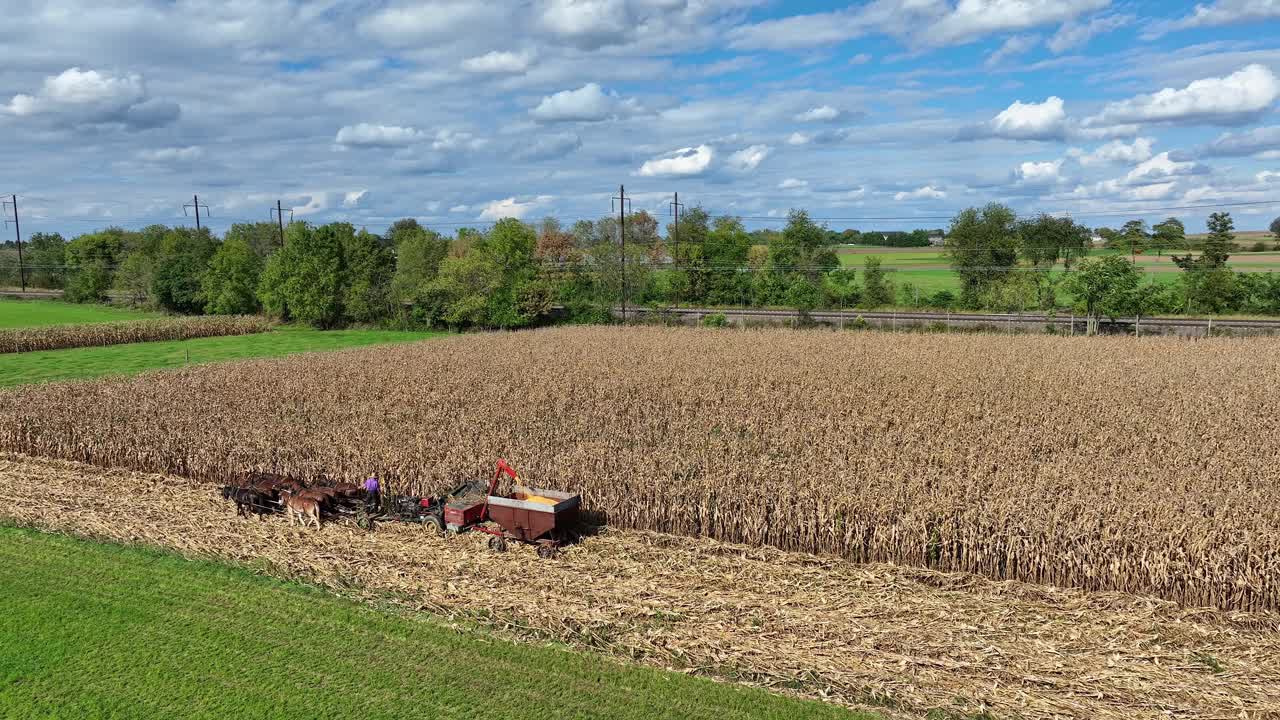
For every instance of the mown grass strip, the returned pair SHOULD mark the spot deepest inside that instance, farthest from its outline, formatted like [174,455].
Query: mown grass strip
[97,630]
[82,363]
[42,313]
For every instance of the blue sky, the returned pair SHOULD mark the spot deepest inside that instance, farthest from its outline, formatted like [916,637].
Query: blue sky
[462,113]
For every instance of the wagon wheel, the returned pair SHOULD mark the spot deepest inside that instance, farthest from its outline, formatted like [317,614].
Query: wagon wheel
[498,543]
[433,524]
[547,551]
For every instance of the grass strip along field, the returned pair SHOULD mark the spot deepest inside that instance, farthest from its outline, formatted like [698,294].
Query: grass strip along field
[95,630]
[42,313]
[1108,464]
[61,337]
[914,643]
[83,363]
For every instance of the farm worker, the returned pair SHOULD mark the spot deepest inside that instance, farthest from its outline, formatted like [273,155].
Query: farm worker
[372,492]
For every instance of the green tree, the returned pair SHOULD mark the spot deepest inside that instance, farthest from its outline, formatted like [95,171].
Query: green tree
[135,276]
[876,289]
[180,262]
[1210,284]
[726,249]
[304,280]
[1047,239]
[983,248]
[1170,234]
[261,237]
[1105,286]
[496,285]
[369,267]
[230,285]
[1134,237]
[91,259]
[1275,229]
[46,254]
[419,253]
[401,229]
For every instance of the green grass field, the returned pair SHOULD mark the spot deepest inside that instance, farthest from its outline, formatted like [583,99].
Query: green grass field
[90,362]
[39,313]
[104,631]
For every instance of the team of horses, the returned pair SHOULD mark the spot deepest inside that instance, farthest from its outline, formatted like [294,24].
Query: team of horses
[265,494]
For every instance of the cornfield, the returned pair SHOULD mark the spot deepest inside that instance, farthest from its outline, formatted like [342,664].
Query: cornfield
[59,337]
[1145,466]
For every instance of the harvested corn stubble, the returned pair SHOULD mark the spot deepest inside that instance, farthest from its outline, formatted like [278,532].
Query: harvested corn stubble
[1147,466]
[906,640]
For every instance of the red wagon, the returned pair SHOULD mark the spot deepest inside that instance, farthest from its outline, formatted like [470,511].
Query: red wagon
[539,516]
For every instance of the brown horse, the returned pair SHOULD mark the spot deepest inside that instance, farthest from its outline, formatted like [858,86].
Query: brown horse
[306,509]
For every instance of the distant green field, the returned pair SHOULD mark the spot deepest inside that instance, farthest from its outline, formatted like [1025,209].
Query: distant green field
[39,313]
[105,631]
[89,362]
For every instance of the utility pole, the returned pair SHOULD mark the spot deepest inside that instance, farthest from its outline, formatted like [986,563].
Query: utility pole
[675,234]
[279,213]
[195,203]
[17,233]
[623,205]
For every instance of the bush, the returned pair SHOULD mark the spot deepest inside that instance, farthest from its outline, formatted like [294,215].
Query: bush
[1259,247]
[715,320]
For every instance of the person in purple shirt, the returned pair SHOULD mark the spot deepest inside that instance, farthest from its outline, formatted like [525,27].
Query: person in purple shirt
[372,492]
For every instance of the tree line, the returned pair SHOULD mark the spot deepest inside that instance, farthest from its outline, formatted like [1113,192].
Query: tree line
[514,273]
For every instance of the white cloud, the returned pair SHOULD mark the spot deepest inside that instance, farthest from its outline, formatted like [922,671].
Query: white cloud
[511,208]
[1014,46]
[1038,173]
[588,103]
[922,23]
[462,208]
[1073,34]
[87,97]
[1116,151]
[793,184]
[1217,100]
[369,135]
[797,138]
[860,59]
[353,198]
[680,163]
[1222,12]
[1253,142]
[499,62]
[1159,169]
[748,158]
[823,113]
[928,192]
[1267,176]
[1024,121]
[173,154]
[418,23]
[589,24]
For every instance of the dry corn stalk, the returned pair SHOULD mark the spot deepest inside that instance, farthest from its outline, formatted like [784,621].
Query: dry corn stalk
[1110,464]
[58,337]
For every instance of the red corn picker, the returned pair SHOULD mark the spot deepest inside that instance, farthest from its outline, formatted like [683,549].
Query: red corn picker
[537,516]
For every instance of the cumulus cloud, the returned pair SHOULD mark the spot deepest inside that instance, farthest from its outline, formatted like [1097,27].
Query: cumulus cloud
[684,162]
[512,208]
[421,22]
[499,62]
[589,24]
[1014,46]
[1116,151]
[548,147]
[589,103]
[921,23]
[799,138]
[928,192]
[1267,176]
[793,184]
[1038,173]
[1073,34]
[1024,121]
[370,135]
[823,113]
[1252,142]
[1160,168]
[354,198]
[1222,12]
[748,158]
[1236,98]
[78,97]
